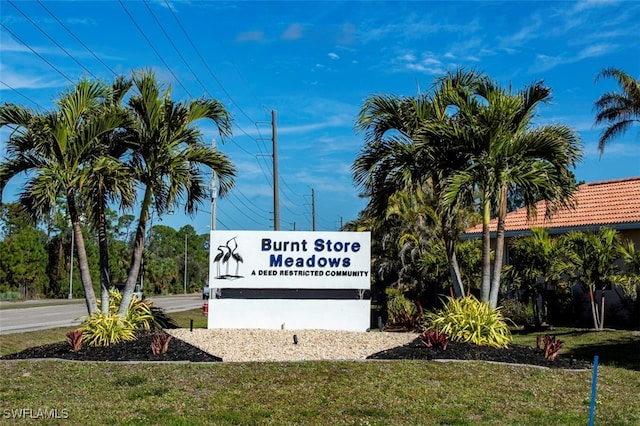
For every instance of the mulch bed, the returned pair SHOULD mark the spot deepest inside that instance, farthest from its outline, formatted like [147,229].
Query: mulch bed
[140,350]
[135,350]
[514,354]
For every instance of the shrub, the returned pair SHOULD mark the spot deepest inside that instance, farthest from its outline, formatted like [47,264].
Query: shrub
[469,320]
[75,339]
[402,311]
[160,343]
[514,310]
[434,339]
[106,329]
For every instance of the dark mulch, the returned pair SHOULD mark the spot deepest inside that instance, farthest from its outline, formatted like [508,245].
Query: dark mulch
[140,350]
[514,354]
[136,350]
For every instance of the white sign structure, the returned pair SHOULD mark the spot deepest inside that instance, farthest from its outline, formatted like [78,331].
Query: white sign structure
[292,280]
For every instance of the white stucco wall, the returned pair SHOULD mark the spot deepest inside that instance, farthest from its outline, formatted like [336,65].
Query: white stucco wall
[347,315]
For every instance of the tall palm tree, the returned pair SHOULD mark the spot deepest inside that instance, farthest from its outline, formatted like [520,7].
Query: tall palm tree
[110,180]
[505,152]
[620,109]
[400,155]
[54,150]
[167,155]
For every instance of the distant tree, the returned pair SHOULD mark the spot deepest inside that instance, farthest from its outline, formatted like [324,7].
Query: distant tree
[23,262]
[618,110]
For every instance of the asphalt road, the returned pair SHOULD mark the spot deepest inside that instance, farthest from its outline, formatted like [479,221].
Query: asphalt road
[18,317]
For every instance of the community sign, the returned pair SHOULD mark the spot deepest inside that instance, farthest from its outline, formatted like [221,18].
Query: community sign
[290,279]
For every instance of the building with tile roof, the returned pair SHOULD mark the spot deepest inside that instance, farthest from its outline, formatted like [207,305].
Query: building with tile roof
[613,203]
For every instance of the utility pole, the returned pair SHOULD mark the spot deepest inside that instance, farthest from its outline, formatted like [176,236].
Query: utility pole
[276,197]
[185,263]
[313,209]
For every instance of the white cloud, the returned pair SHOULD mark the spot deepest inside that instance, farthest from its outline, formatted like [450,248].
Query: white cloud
[247,36]
[23,80]
[333,55]
[293,32]
[545,62]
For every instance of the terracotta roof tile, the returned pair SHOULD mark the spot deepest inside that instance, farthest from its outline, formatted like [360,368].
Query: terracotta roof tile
[612,202]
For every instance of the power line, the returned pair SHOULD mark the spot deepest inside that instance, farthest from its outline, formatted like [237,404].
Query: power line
[77,39]
[153,47]
[51,39]
[23,95]
[36,53]
[175,48]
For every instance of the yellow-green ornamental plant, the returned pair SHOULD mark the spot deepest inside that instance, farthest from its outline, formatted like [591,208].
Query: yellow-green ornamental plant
[469,320]
[102,329]
[106,329]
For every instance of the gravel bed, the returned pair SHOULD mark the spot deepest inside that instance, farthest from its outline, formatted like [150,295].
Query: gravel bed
[240,345]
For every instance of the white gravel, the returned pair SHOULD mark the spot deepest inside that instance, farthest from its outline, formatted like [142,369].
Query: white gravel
[241,345]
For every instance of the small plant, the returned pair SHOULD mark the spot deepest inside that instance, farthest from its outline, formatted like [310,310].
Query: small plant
[160,343]
[549,345]
[75,339]
[106,329]
[402,312]
[515,310]
[467,319]
[435,339]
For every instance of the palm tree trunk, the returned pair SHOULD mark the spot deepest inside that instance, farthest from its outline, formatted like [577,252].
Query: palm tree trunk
[602,309]
[454,268]
[105,281]
[594,311]
[81,252]
[497,262]
[486,252]
[136,257]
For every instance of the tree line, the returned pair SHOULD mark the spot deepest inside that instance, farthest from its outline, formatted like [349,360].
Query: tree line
[35,260]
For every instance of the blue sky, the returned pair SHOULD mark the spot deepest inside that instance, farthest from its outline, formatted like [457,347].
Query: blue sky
[315,63]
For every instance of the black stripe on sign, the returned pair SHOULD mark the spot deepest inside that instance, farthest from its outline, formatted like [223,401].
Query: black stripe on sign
[294,293]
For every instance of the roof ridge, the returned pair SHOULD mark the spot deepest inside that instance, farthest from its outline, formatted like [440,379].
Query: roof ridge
[605,182]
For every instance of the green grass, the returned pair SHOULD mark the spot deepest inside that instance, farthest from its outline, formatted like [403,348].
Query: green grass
[319,393]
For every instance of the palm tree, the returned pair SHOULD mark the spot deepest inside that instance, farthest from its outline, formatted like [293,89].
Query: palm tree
[167,155]
[54,149]
[504,153]
[400,155]
[110,180]
[535,262]
[617,109]
[592,262]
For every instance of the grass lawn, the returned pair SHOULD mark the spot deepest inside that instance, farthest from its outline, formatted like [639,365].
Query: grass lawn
[319,393]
